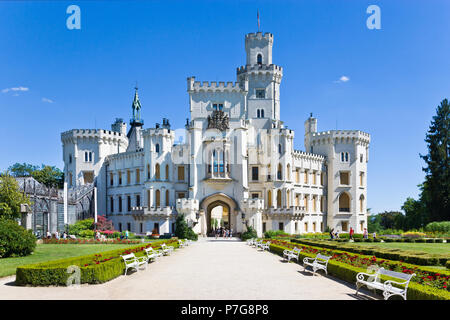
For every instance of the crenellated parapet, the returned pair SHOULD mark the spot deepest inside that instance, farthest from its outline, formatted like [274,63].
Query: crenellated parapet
[100,135]
[187,206]
[340,136]
[205,86]
[251,206]
[301,155]
[260,69]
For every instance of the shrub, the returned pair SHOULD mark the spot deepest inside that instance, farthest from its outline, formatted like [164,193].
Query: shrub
[77,227]
[86,233]
[15,240]
[413,235]
[439,240]
[274,233]
[442,226]
[447,264]
[182,230]
[249,234]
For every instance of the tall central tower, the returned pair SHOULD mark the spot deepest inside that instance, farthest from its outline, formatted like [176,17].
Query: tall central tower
[264,80]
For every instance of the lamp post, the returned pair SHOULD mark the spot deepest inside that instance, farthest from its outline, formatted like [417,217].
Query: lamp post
[197,216]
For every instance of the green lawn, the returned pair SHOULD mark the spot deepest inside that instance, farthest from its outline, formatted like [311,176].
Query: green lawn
[432,248]
[47,252]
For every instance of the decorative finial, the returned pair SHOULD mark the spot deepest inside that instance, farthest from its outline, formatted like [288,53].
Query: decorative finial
[310,115]
[136,87]
[257,16]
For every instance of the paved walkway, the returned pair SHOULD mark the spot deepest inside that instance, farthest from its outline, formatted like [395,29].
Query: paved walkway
[209,269]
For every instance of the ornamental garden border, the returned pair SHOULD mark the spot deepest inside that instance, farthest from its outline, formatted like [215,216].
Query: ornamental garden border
[94,268]
[348,270]
[391,254]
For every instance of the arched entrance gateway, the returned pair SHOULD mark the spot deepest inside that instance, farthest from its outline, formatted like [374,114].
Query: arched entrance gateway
[219,209]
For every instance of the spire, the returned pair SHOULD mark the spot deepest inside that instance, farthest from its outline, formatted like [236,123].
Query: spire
[136,106]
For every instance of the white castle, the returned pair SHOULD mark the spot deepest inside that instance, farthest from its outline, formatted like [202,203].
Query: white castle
[236,166]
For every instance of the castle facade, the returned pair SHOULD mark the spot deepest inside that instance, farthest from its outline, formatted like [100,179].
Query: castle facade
[235,164]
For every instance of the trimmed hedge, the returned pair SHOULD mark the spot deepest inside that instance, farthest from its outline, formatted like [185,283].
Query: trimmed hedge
[54,273]
[447,264]
[390,254]
[348,273]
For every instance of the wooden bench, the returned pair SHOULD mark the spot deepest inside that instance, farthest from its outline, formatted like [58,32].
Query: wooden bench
[133,262]
[152,254]
[373,282]
[291,254]
[166,250]
[320,262]
[265,246]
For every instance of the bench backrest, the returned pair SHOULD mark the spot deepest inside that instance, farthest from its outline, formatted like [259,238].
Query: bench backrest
[267,243]
[296,251]
[163,245]
[149,250]
[128,258]
[322,257]
[394,274]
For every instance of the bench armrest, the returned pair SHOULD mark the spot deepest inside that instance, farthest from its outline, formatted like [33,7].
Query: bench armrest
[388,284]
[360,276]
[286,251]
[306,259]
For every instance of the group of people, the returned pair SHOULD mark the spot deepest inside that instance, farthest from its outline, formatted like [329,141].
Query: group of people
[223,232]
[56,235]
[335,235]
[366,234]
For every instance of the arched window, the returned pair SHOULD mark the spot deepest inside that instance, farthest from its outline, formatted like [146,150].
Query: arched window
[342,156]
[259,58]
[167,172]
[279,174]
[288,172]
[344,202]
[218,161]
[279,148]
[262,113]
[157,198]
[269,199]
[361,203]
[279,199]
[346,157]
[167,198]
[288,198]
[258,114]
[157,172]
[148,199]
[157,148]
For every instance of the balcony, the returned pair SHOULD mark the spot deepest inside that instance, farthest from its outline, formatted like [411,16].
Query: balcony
[152,211]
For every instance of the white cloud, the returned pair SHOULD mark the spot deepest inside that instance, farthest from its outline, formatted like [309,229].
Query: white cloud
[342,79]
[15,89]
[47,100]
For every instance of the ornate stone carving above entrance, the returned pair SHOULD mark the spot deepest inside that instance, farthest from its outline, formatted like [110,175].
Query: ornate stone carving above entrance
[218,120]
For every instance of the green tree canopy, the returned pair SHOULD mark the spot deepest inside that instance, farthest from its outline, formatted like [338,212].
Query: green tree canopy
[10,197]
[50,176]
[436,189]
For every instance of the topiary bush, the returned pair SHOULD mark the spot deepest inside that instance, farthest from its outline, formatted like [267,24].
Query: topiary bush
[442,226]
[15,240]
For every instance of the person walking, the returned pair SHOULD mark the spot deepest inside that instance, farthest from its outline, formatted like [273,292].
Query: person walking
[126,234]
[351,233]
[331,234]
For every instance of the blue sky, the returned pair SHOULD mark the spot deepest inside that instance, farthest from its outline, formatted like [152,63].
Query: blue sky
[66,79]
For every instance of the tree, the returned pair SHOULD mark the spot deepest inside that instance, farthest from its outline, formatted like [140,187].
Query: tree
[104,224]
[436,188]
[10,197]
[182,230]
[415,214]
[47,175]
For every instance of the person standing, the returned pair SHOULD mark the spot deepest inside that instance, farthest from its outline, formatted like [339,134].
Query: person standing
[331,234]
[365,234]
[351,233]
[126,234]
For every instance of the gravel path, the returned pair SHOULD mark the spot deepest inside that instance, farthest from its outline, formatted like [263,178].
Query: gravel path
[209,269]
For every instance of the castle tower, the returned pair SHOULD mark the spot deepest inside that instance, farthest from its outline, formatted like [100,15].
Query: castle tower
[136,122]
[264,78]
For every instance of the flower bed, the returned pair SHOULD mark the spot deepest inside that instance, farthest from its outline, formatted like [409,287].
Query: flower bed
[89,241]
[94,268]
[392,254]
[427,284]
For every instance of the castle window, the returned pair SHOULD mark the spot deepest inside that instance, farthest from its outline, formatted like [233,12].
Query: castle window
[220,106]
[128,203]
[314,178]
[167,172]
[138,200]
[180,173]
[90,156]
[306,226]
[112,204]
[345,157]
[361,158]
[306,177]
[361,203]
[88,176]
[259,58]
[157,148]
[269,199]
[215,106]
[111,179]
[128,177]
[120,226]
[258,113]
[305,203]
[120,178]
[281,226]
[262,113]
[167,198]
[148,171]
[344,178]
[279,198]
[279,175]
[157,198]
[288,171]
[138,176]
[128,226]
[260,93]
[120,204]
[70,158]
[255,173]
[157,172]
[279,148]
[361,178]
[344,202]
